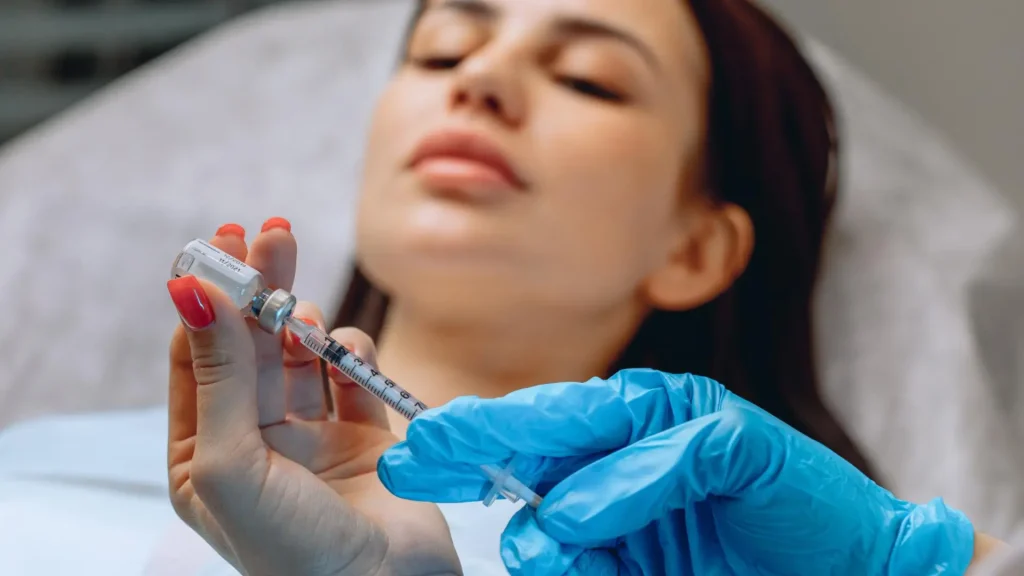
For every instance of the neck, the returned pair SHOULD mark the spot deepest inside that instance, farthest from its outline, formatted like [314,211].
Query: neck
[439,360]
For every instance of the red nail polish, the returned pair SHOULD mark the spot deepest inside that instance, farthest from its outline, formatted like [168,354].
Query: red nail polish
[277,223]
[192,303]
[334,373]
[231,230]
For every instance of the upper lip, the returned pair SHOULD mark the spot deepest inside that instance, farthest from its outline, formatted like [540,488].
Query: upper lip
[467,146]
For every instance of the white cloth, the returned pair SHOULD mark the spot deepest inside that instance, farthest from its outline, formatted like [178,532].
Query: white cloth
[87,495]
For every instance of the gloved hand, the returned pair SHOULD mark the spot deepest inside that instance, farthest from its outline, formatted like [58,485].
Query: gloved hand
[651,473]
[257,468]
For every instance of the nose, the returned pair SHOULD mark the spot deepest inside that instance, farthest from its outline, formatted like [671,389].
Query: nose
[489,83]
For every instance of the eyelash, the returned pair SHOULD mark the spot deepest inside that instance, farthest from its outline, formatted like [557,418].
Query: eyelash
[437,63]
[588,88]
[578,85]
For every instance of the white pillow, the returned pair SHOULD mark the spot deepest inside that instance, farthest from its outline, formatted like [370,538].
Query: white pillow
[266,117]
[896,342]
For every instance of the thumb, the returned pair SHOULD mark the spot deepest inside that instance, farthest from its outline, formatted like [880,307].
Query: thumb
[223,364]
[527,550]
[729,453]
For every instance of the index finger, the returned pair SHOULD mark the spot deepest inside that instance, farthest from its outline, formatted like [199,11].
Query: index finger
[273,252]
[564,419]
[554,429]
[548,429]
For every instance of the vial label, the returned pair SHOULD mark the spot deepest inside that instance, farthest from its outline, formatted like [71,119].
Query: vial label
[224,259]
[237,279]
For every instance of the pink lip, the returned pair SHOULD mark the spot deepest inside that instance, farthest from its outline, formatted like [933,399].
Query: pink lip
[463,159]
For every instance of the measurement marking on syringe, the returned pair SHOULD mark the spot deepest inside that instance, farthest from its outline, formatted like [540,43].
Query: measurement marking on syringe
[336,353]
[365,375]
[313,344]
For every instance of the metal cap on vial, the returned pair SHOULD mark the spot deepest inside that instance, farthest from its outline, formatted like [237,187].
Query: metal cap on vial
[273,309]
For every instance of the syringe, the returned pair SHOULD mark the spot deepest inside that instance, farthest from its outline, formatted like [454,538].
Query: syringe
[273,309]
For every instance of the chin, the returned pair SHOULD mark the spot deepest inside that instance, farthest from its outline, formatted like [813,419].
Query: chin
[443,253]
[432,233]
[454,281]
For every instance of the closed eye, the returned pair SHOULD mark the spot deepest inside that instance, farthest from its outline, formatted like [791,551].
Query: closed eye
[438,63]
[591,89]
[579,85]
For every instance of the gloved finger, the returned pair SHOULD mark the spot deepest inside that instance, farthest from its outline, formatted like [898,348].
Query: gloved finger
[726,454]
[412,478]
[556,420]
[563,420]
[426,479]
[528,550]
[222,378]
[559,428]
[351,402]
[304,380]
[273,253]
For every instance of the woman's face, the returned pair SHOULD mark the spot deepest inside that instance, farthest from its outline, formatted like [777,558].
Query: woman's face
[536,153]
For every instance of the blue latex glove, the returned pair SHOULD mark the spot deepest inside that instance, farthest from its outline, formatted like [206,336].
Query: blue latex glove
[651,473]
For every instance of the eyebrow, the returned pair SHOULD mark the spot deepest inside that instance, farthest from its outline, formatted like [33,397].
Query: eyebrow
[564,25]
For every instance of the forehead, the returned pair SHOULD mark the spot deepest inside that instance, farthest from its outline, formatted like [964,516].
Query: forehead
[666,27]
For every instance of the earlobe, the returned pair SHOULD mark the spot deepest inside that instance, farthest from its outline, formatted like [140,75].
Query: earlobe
[710,256]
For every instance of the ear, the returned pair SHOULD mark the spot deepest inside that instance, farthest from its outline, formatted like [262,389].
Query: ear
[712,250]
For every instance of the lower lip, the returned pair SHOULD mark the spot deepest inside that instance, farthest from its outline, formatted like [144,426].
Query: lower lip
[459,174]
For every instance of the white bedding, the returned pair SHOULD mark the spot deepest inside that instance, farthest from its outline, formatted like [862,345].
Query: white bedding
[87,495]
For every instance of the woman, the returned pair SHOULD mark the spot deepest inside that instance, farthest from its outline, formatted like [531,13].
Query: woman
[553,190]
[751,148]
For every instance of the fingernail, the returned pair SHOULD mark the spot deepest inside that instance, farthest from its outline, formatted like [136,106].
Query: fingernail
[231,230]
[296,341]
[333,372]
[275,223]
[192,303]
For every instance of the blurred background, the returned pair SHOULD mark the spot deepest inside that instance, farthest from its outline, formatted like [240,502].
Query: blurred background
[956,63]
[53,53]
[128,127]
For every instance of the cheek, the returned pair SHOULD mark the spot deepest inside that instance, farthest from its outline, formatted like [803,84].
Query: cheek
[611,199]
[389,132]
[397,120]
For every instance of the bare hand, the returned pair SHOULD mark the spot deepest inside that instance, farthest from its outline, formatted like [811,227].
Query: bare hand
[255,465]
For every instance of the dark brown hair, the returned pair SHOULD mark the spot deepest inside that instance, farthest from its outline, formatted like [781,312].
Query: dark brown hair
[772,151]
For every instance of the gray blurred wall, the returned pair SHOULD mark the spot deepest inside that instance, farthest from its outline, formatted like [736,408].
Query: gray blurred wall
[959,63]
